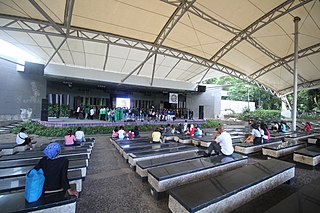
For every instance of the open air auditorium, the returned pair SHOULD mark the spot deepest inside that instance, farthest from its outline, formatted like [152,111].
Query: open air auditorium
[159,106]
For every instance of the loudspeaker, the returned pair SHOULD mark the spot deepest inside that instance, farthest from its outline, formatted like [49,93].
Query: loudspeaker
[44,105]
[201,88]
[44,115]
[34,68]
[201,112]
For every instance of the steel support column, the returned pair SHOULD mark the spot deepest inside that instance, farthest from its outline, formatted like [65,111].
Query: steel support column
[154,68]
[295,76]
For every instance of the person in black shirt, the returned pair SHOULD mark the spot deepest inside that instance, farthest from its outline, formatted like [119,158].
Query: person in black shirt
[55,171]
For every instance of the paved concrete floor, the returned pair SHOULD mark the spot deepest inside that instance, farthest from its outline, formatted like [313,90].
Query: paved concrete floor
[111,186]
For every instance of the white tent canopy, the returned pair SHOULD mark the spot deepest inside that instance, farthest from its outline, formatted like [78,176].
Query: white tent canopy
[181,40]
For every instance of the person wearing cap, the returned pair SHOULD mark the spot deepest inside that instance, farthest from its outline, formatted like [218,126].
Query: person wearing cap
[23,139]
[55,171]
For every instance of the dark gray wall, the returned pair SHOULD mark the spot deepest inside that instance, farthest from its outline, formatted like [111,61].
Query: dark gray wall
[211,100]
[21,90]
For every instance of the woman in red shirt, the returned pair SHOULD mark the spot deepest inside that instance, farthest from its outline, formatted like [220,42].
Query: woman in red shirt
[307,127]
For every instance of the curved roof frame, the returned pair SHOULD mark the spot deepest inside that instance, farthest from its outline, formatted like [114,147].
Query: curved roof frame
[45,28]
[50,28]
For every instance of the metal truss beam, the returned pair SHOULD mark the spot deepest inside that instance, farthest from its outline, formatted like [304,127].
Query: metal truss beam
[55,52]
[198,12]
[165,31]
[54,47]
[42,27]
[282,61]
[14,62]
[306,85]
[106,59]
[269,17]
[44,14]
[69,11]
[272,56]
[154,68]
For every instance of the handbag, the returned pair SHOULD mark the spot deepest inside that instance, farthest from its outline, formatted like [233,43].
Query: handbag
[34,185]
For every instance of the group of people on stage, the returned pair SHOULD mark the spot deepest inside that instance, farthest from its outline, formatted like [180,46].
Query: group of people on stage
[123,114]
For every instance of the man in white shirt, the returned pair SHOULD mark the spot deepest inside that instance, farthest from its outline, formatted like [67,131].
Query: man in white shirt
[23,139]
[79,136]
[222,143]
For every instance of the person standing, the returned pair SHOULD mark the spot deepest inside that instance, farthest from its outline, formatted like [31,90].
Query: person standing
[23,139]
[222,143]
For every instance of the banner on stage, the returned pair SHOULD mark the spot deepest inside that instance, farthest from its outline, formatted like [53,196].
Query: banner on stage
[173,98]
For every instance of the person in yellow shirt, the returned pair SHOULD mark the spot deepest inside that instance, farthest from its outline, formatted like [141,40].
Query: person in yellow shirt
[156,136]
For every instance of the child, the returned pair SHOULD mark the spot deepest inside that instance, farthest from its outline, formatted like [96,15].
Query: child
[69,139]
[121,133]
[115,132]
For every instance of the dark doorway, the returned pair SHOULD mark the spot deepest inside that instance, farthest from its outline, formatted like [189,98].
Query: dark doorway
[201,110]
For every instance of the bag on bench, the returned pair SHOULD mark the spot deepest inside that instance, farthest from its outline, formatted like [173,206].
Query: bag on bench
[34,185]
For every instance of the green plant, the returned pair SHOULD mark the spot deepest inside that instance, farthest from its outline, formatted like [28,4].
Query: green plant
[37,129]
[261,115]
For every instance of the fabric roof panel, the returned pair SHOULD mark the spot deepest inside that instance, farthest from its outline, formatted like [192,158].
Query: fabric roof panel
[94,48]
[115,64]
[194,33]
[141,19]
[236,9]
[79,58]
[67,57]
[75,45]
[94,61]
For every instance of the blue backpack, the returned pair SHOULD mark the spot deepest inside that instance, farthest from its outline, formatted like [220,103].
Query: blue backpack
[34,185]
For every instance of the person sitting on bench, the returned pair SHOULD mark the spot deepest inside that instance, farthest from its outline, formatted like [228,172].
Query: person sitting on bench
[69,139]
[222,144]
[80,136]
[156,136]
[255,136]
[23,139]
[55,171]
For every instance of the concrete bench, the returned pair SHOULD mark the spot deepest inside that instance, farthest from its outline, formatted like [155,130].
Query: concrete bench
[133,158]
[248,148]
[62,153]
[17,181]
[231,189]
[23,169]
[165,177]
[56,202]
[17,159]
[297,136]
[309,155]
[306,199]
[285,148]
[143,166]
[185,139]
[33,162]
[11,148]
[148,147]
[314,140]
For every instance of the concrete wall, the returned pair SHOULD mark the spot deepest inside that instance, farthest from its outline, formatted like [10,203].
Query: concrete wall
[20,90]
[236,106]
[104,76]
[211,100]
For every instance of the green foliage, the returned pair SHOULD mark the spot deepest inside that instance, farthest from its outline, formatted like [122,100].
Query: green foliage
[211,124]
[37,129]
[261,115]
[54,110]
[308,101]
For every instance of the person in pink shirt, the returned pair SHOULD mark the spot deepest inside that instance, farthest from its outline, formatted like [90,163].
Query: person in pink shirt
[69,139]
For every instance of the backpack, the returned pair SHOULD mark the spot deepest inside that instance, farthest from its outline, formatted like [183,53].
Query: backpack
[34,185]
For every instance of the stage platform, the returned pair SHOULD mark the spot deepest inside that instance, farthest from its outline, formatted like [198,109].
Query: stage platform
[71,122]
